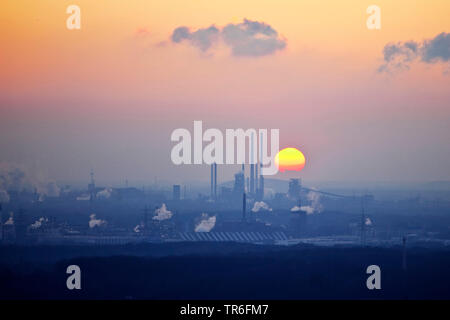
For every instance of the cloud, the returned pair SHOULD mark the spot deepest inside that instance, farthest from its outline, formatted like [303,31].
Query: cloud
[399,56]
[246,39]
[162,213]
[206,224]
[252,38]
[437,49]
[202,39]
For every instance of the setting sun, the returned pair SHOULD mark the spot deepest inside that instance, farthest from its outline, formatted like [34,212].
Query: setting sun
[290,159]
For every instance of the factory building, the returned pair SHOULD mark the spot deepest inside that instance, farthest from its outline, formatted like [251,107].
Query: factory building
[295,187]
[248,237]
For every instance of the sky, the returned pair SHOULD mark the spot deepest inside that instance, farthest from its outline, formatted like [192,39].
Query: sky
[362,105]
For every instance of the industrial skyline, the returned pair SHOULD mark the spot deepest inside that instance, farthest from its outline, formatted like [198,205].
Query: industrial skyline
[224,150]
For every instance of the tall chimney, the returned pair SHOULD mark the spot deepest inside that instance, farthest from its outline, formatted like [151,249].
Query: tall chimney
[244,205]
[252,178]
[256,178]
[252,166]
[215,180]
[212,180]
[261,186]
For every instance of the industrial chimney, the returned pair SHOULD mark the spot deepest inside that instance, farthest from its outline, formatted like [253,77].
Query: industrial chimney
[244,205]
[215,180]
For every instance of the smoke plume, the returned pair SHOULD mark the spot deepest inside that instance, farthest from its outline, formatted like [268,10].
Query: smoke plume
[18,178]
[138,228]
[261,205]
[104,194]
[94,222]
[38,223]
[314,207]
[162,213]
[206,224]
[10,220]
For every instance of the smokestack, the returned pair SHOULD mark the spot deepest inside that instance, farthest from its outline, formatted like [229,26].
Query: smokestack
[215,180]
[212,180]
[256,171]
[252,178]
[244,205]
[261,185]
[252,166]
[256,177]
[261,177]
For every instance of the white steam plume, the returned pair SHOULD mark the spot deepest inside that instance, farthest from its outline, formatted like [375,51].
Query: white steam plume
[307,209]
[138,228]
[206,224]
[315,207]
[94,222]
[314,197]
[104,194]
[38,223]
[10,221]
[19,178]
[162,213]
[261,205]
[84,197]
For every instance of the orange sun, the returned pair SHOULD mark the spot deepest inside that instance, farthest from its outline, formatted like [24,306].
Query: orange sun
[290,159]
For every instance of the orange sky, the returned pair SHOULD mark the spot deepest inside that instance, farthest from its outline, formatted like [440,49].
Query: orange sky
[37,47]
[322,87]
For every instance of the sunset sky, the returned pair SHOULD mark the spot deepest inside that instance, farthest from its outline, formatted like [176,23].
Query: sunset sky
[108,96]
